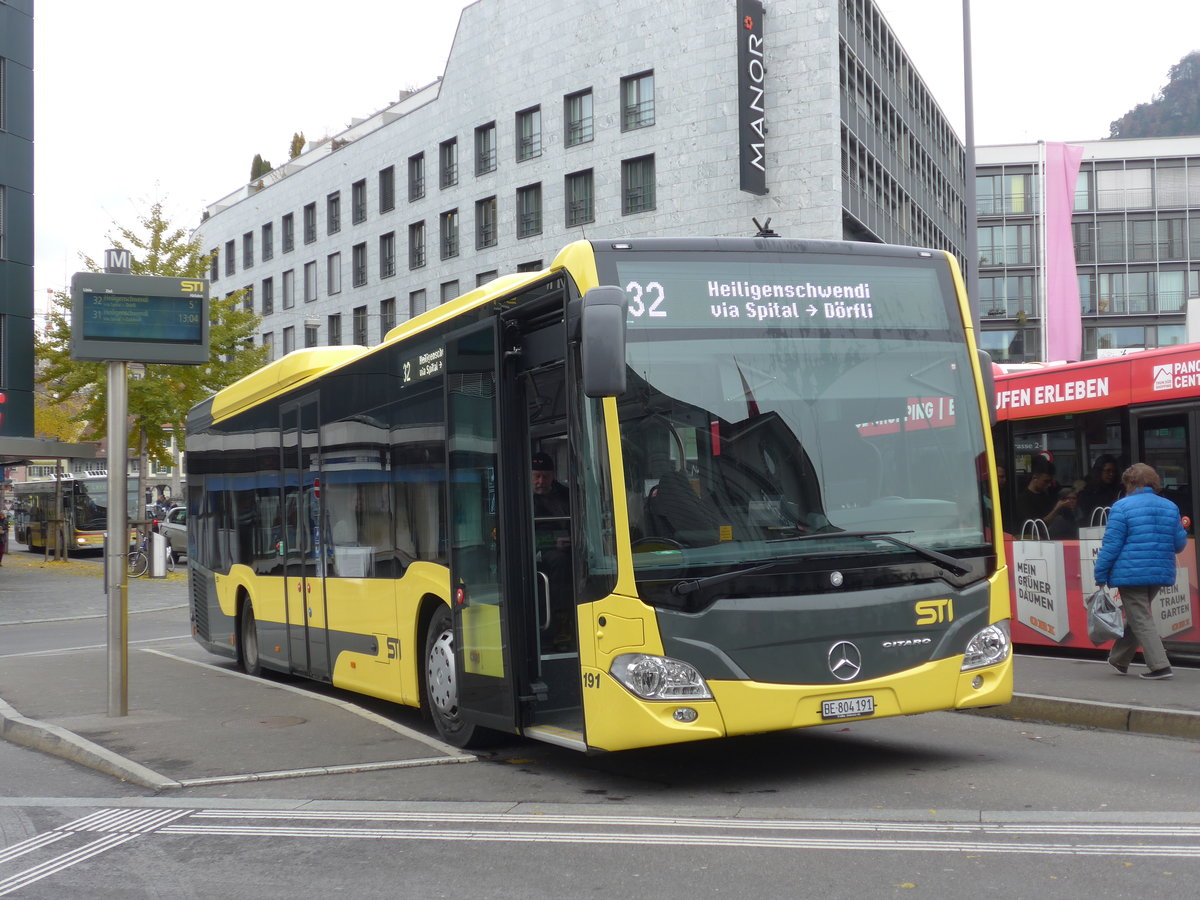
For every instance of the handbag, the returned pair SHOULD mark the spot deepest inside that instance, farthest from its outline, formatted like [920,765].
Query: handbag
[1105,621]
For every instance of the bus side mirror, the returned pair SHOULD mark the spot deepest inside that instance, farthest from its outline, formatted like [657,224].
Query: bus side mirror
[602,341]
[989,385]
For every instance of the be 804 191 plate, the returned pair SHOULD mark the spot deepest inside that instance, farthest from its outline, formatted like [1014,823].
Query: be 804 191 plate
[847,708]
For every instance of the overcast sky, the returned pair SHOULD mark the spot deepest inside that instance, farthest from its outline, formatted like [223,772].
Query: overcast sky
[144,100]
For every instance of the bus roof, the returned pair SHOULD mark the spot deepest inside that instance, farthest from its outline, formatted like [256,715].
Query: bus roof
[1147,376]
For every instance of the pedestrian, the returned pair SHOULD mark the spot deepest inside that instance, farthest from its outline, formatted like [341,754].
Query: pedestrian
[1138,556]
[3,534]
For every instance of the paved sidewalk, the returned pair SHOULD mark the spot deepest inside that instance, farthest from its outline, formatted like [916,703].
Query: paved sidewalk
[195,723]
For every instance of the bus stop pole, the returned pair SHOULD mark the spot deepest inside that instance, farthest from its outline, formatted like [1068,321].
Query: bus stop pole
[116,547]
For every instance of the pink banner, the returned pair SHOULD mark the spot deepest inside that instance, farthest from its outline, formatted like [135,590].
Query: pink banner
[1063,322]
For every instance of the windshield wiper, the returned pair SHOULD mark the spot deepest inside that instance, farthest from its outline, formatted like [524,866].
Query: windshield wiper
[949,563]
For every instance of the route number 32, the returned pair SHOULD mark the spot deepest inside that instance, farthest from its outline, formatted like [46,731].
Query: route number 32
[646,301]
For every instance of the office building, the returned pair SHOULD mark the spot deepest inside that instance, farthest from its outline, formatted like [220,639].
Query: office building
[674,118]
[1136,234]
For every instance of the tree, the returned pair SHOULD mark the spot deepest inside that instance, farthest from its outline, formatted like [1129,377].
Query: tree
[259,167]
[1174,112]
[297,145]
[160,398]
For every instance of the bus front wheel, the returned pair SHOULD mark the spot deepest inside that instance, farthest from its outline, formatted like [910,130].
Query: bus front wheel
[441,684]
[248,657]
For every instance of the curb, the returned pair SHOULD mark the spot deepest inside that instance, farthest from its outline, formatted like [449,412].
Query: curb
[60,742]
[1091,714]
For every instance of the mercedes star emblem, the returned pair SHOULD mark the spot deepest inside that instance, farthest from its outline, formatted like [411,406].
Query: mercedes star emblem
[845,661]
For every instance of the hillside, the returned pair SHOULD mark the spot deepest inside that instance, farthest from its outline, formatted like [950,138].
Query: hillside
[1174,112]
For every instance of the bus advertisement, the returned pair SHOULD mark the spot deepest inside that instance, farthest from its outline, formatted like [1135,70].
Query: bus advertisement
[1082,424]
[771,477]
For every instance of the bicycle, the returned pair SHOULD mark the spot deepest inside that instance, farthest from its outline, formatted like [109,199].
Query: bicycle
[139,557]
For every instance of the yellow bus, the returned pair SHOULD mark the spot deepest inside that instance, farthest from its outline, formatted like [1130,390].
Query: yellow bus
[773,500]
[84,508]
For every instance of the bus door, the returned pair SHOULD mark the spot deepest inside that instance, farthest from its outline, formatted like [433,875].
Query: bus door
[1169,440]
[484,656]
[303,546]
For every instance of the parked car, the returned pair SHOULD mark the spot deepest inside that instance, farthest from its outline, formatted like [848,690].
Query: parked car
[174,528]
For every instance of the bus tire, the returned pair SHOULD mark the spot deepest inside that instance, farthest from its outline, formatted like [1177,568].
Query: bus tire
[441,686]
[247,640]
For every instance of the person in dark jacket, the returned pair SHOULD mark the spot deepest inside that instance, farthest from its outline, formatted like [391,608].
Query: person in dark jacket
[1102,488]
[1138,556]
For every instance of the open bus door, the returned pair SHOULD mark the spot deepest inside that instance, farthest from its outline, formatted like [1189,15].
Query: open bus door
[517,658]
[1169,440]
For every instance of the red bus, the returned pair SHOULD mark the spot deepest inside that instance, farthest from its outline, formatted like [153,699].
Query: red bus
[1084,423]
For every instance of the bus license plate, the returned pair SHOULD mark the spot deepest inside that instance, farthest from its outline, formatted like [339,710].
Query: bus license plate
[847,708]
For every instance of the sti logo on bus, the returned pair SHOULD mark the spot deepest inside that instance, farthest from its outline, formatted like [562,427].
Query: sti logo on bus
[931,612]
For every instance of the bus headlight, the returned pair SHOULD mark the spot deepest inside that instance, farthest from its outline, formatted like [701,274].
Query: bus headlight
[659,677]
[988,647]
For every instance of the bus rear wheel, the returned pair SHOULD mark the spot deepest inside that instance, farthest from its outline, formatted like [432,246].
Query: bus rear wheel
[441,685]
[248,657]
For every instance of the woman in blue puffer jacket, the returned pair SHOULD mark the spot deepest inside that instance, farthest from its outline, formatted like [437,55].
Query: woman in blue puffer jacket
[1138,556]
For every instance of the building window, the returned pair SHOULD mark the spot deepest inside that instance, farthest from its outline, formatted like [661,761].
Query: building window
[485,223]
[387,189]
[333,273]
[268,341]
[335,330]
[359,324]
[637,184]
[534,265]
[310,223]
[529,133]
[359,261]
[268,296]
[529,210]
[289,232]
[333,213]
[485,148]
[416,245]
[416,303]
[289,340]
[248,298]
[577,109]
[358,200]
[268,241]
[289,290]
[387,255]
[312,334]
[416,177]
[485,277]
[449,232]
[637,101]
[247,249]
[214,258]
[448,161]
[449,290]
[581,204]
[310,281]
[230,258]
[387,316]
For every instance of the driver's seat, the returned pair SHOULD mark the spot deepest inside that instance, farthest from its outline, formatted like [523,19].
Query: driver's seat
[674,510]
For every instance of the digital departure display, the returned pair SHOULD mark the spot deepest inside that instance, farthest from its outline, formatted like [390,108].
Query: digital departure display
[121,317]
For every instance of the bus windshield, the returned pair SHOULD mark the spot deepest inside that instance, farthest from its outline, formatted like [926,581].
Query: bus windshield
[743,432]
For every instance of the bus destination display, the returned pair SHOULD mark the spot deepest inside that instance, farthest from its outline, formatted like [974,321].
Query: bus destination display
[803,296]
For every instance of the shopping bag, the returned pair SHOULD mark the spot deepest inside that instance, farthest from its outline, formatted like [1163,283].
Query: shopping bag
[1091,538]
[1041,588]
[1104,619]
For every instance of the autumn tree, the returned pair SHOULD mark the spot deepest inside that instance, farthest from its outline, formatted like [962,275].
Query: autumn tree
[259,167]
[297,146]
[159,396]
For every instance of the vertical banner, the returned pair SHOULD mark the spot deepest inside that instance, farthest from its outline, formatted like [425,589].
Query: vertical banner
[752,129]
[1062,320]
